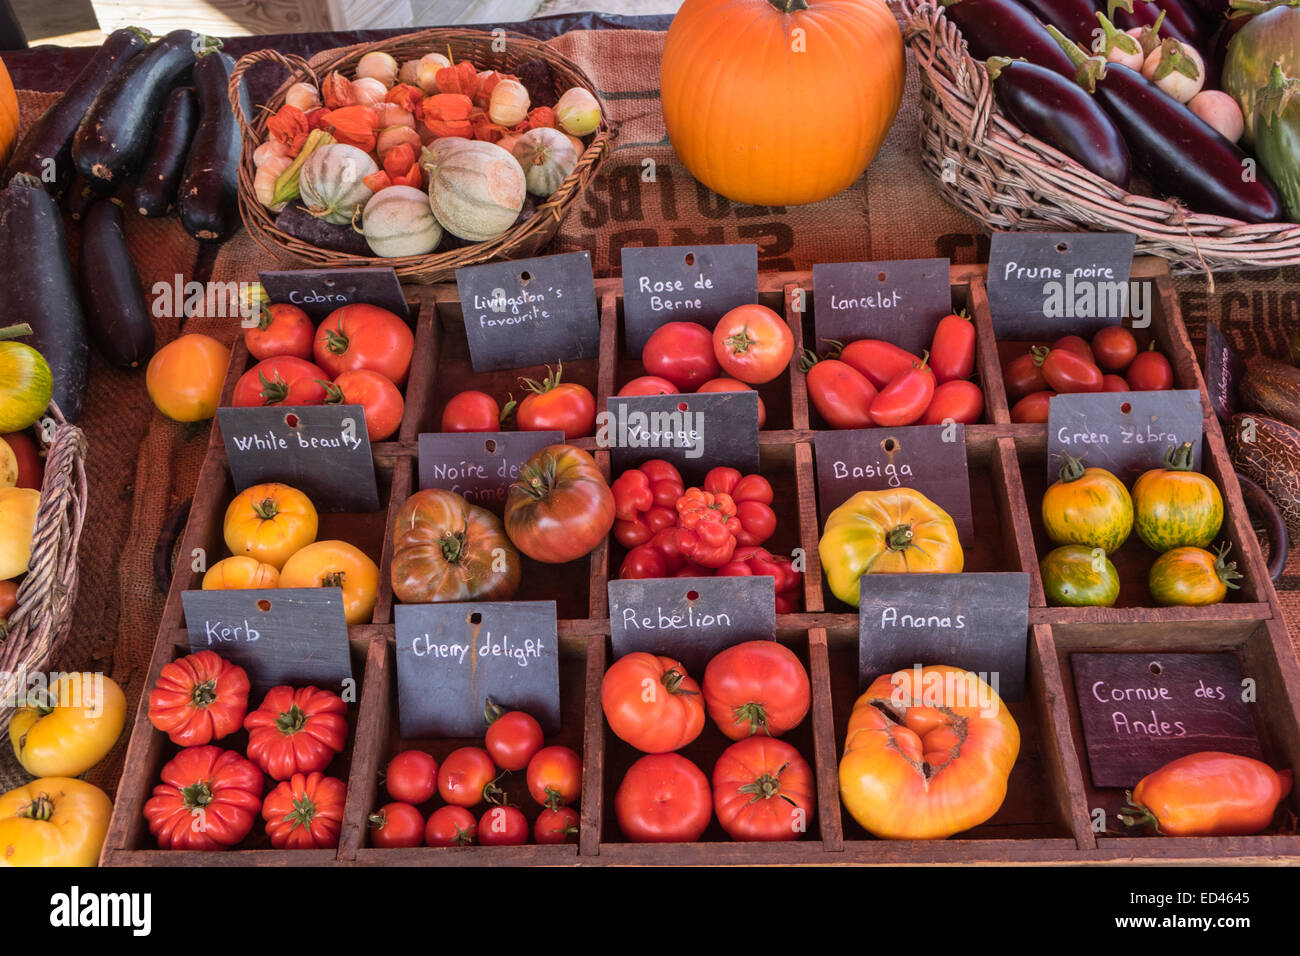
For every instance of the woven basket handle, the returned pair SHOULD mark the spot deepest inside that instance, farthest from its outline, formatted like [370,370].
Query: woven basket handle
[293,64]
[932,36]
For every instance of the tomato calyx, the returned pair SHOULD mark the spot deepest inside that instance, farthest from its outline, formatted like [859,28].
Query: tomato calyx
[333,394]
[1180,458]
[555,800]
[754,714]
[549,383]
[302,814]
[273,393]
[1135,815]
[912,744]
[336,341]
[899,538]
[492,711]
[740,342]
[196,796]
[290,721]
[204,693]
[377,821]
[766,787]
[332,579]
[454,547]
[266,509]
[672,681]
[538,480]
[808,358]
[493,795]
[1072,469]
[41,808]
[1225,569]
[508,409]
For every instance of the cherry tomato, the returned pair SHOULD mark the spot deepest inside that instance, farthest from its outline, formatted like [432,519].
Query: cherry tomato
[957,399]
[412,777]
[1150,372]
[681,352]
[1068,372]
[1076,344]
[664,798]
[731,385]
[31,467]
[282,329]
[512,739]
[472,411]
[1114,383]
[396,825]
[753,344]
[1032,408]
[952,351]
[382,403]
[1024,375]
[502,826]
[555,776]
[1114,348]
[880,362]
[557,826]
[552,405]
[905,399]
[365,336]
[450,826]
[8,598]
[466,777]
[643,561]
[283,380]
[649,385]
[840,393]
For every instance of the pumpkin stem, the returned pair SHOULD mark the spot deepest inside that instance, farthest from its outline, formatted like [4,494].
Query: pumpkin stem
[15,331]
[788,6]
[1072,469]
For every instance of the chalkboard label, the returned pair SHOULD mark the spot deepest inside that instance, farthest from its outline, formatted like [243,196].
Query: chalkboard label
[1124,432]
[928,458]
[318,292]
[900,302]
[479,466]
[684,284]
[690,619]
[452,657]
[1223,369]
[1140,711]
[530,311]
[1042,285]
[976,621]
[695,432]
[279,635]
[322,450]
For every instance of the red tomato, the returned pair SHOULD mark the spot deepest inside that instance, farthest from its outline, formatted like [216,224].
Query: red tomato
[753,344]
[364,336]
[731,385]
[31,469]
[952,352]
[1114,348]
[472,411]
[840,393]
[664,798]
[681,352]
[1024,375]
[1114,383]
[959,400]
[1068,372]
[502,826]
[880,362]
[555,776]
[643,561]
[651,703]
[555,406]
[283,380]
[450,826]
[282,329]
[763,789]
[905,399]
[382,402]
[512,739]
[8,598]
[412,777]
[1032,408]
[1076,344]
[756,687]
[649,385]
[466,777]
[557,826]
[1150,372]
[396,825]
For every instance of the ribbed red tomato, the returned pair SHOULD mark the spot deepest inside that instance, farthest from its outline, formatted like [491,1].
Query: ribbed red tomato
[756,687]
[664,798]
[365,336]
[763,789]
[296,730]
[305,812]
[651,703]
[840,393]
[283,380]
[208,800]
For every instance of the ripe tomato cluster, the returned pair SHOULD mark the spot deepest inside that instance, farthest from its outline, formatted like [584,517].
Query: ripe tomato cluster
[551,404]
[1111,363]
[360,355]
[872,382]
[470,776]
[762,787]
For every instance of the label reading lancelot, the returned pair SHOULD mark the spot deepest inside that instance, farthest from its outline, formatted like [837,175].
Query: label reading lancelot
[900,302]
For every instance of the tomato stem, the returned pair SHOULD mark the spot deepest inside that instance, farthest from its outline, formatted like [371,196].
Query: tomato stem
[754,714]
[1180,458]
[336,341]
[1135,815]
[900,538]
[765,787]
[1072,469]
[42,808]
[672,681]
[266,509]
[807,359]
[291,721]
[740,342]
[15,331]
[196,795]
[303,812]
[492,711]
[204,694]
[453,547]
[273,393]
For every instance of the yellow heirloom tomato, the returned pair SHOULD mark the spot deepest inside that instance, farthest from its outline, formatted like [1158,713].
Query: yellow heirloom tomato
[67,729]
[54,821]
[18,507]
[269,523]
[240,573]
[336,564]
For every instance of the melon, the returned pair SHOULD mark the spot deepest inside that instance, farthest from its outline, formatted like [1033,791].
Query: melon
[547,157]
[331,184]
[476,189]
[398,222]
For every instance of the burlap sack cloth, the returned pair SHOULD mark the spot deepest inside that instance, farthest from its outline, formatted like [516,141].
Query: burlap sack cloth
[141,465]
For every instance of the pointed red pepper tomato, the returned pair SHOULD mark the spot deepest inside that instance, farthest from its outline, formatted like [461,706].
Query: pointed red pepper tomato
[296,731]
[752,560]
[752,495]
[763,789]
[365,336]
[706,527]
[283,380]
[1069,372]
[645,501]
[199,698]
[952,350]
[906,397]
[1208,794]
[208,800]
[305,812]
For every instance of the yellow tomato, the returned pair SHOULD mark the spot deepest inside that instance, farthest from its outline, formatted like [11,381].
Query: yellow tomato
[269,523]
[54,821]
[18,508]
[8,465]
[240,573]
[67,729]
[185,376]
[336,564]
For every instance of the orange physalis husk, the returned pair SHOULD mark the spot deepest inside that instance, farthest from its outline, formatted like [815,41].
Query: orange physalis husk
[377,181]
[398,160]
[406,96]
[461,78]
[484,128]
[355,126]
[290,127]
[318,118]
[412,177]
[448,114]
[538,117]
[336,91]
[486,84]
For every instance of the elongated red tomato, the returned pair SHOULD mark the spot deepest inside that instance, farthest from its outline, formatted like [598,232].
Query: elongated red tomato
[1208,794]
[1114,347]
[905,399]
[1032,408]
[840,393]
[756,687]
[1113,383]
[959,400]
[952,351]
[1150,372]
[664,798]
[880,362]
[1076,344]
[1069,372]
[763,789]
[1024,375]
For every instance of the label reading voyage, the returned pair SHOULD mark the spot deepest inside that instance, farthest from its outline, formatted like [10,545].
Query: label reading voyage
[695,432]
[318,292]
[1126,433]
[684,284]
[900,302]
[479,466]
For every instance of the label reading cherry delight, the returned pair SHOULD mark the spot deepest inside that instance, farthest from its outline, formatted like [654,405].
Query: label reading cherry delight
[318,292]
[479,466]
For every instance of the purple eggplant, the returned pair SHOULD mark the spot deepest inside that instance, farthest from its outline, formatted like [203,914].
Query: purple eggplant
[1005,28]
[1181,154]
[1179,23]
[1075,18]
[1061,114]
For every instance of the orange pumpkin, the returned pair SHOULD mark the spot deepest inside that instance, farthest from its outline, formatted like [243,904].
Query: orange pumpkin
[780,102]
[8,114]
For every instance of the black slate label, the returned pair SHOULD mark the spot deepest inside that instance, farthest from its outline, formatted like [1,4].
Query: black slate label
[322,450]
[684,284]
[318,292]
[452,657]
[976,621]
[1140,711]
[279,635]
[530,311]
[1042,285]
[479,466]
[690,619]
[1124,432]
[1223,369]
[900,301]
[928,458]
[695,432]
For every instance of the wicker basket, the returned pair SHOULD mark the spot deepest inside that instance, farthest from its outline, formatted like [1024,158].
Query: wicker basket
[521,240]
[1007,179]
[48,593]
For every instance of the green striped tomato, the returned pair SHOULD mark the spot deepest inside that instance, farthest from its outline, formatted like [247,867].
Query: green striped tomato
[1087,506]
[1175,507]
[1078,576]
[1192,577]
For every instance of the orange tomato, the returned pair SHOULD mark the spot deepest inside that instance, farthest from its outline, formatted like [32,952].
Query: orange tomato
[1208,794]
[269,523]
[336,564]
[185,376]
[8,598]
[240,573]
